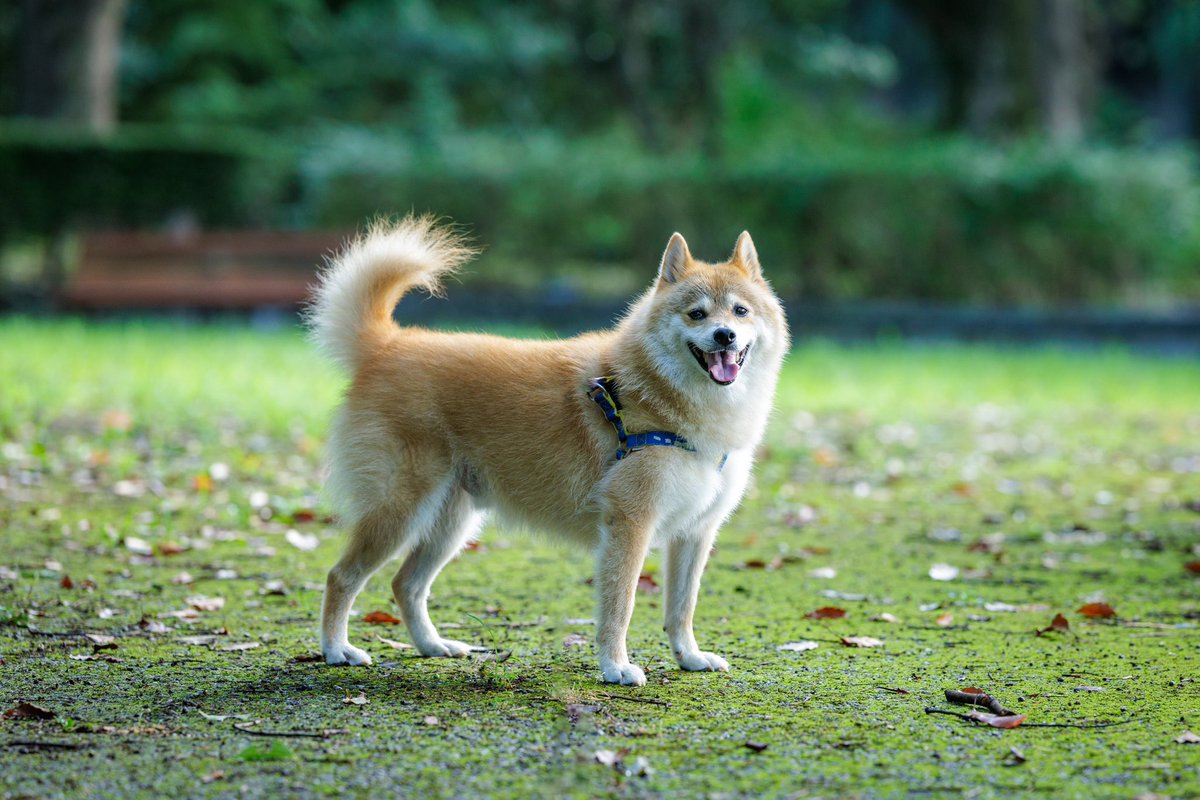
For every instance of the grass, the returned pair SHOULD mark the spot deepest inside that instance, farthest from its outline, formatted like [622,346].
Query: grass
[144,464]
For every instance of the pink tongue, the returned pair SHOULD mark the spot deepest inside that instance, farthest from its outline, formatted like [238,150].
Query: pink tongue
[722,366]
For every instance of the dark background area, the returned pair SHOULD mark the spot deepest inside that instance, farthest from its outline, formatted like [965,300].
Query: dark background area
[1034,153]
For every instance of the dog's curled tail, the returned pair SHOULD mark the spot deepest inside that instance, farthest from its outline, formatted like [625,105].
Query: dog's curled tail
[351,310]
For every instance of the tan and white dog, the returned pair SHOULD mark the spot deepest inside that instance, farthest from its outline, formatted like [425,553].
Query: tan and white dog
[437,429]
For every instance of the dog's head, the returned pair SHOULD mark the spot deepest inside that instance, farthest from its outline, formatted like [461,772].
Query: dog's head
[716,323]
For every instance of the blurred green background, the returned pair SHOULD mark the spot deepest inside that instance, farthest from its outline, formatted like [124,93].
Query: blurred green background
[1034,153]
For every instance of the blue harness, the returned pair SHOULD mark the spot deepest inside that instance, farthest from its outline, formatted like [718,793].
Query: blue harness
[603,392]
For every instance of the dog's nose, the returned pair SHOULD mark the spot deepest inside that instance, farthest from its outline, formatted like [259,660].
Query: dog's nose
[724,336]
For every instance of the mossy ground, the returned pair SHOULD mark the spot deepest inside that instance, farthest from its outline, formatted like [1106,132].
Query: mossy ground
[1048,478]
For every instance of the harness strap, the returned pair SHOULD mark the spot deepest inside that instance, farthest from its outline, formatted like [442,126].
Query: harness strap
[603,392]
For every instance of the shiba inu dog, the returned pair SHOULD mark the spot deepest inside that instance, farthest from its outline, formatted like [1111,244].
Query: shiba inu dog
[636,436]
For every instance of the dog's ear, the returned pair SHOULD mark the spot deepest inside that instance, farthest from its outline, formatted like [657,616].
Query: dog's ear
[675,261]
[746,256]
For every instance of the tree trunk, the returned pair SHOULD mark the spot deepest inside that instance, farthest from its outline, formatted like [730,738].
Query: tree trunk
[1067,69]
[67,68]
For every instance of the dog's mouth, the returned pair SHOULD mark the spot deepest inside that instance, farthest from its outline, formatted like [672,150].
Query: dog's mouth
[722,366]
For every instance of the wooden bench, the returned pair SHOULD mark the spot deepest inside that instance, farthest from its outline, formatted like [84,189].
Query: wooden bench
[232,270]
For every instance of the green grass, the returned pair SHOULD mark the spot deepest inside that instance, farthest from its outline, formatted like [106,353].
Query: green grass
[1048,477]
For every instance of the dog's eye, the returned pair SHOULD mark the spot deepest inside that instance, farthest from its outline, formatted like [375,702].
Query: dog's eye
[740,311]
[697,313]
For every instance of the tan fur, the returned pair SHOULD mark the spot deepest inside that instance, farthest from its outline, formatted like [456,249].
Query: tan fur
[439,428]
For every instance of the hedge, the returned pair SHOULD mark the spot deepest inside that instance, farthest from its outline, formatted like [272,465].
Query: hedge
[53,179]
[948,222]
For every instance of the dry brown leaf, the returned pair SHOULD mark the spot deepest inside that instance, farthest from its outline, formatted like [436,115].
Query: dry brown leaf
[647,585]
[381,618]
[997,722]
[359,699]
[826,612]
[28,711]
[202,603]
[1097,611]
[945,620]
[1059,624]
[101,641]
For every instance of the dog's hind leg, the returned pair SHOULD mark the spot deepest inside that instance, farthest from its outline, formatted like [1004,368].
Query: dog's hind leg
[373,541]
[458,521]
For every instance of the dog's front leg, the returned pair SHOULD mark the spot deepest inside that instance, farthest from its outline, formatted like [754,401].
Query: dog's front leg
[624,541]
[686,557]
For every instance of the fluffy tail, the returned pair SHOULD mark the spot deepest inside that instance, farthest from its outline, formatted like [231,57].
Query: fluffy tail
[352,307]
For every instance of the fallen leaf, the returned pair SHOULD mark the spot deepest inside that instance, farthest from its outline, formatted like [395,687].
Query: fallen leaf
[575,640]
[825,573]
[1017,757]
[394,644]
[826,612]
[138,546]
[359,699]
[381,618]
[101,641]
[302,541]
[945,620]
[647,584]
[754,563]
[1089,689]
[97,657]
[798,647]
[431,720]
[213,776]
[1187,737]
[182,579]
[575,711]
[995,721]
[66,582]
[1097,610]
[1059,624]
[885,617]
[202,640]
[170,548]
[943,572]
[222,717]
[610,758]
[202,603]
[28,711]
[757,747]
[1193,567]
[238,647]
[861,641]
[152,626]
[309,658]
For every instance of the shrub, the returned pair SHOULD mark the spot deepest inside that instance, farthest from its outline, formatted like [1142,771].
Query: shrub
[948,221]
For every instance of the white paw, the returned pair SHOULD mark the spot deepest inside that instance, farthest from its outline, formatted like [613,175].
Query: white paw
[626,674]
[699,661]
[345,654]
[444,648]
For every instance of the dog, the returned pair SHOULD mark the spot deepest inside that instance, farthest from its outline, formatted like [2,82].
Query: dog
[642,435]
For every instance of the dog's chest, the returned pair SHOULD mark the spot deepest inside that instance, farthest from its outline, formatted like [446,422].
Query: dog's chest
[698,489]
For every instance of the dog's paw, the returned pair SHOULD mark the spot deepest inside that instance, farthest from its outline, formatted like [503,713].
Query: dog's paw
[626,674]
[699,661]
[346,654]
[444,648]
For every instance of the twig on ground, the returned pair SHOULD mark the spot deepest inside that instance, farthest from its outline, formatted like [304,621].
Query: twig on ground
[979,699]
[649,700]
[45,745]
[245,727]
